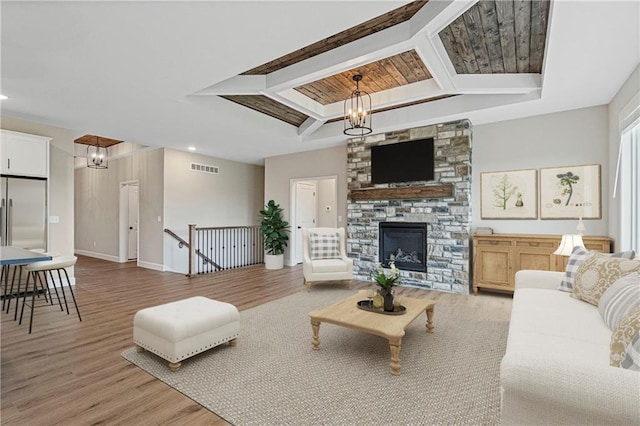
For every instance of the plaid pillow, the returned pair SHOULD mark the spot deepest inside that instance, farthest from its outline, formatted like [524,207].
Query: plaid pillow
[578,255]
[324,246]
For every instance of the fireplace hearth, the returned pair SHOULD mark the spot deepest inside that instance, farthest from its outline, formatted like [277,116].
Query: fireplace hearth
[404,243]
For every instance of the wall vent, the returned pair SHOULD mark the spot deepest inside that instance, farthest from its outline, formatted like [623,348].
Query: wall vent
[205,168]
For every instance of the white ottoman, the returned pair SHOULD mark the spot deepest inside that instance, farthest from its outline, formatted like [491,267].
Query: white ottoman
[178,330]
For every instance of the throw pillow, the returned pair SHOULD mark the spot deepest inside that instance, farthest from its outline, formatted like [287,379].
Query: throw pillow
[597,273]
[619,299]
[578,255]
[622,340]
[324,246]
[631,359]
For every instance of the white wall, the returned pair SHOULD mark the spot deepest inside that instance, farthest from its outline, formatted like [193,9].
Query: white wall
[231,198]
[61,235]
[280,170]
[627,95]
[562,139]
[326,189]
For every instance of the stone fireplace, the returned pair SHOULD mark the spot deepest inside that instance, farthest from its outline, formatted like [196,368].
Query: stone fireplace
[404,243]
[442,208]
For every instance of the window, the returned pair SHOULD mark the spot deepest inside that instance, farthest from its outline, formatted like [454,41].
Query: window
[629,186]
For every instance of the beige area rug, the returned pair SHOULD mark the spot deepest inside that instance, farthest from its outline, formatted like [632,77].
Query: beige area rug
[273,377]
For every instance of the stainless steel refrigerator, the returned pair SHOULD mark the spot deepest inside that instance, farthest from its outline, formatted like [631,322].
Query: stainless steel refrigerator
[23,212]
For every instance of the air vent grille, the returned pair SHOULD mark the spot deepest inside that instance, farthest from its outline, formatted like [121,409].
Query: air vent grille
[205,168]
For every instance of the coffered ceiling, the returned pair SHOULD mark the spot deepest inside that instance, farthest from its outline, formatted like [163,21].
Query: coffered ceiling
[504,41]
[245,80]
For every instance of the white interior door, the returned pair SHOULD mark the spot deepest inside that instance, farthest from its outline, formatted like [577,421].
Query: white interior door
[305,212]
[132,219]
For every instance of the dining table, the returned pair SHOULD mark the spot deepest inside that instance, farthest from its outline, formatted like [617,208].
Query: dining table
[10,255]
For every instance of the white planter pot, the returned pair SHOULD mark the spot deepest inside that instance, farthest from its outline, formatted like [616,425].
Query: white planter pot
[274,261]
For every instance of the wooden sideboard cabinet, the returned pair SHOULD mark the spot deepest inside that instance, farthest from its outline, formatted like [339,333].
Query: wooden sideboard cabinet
[497,257]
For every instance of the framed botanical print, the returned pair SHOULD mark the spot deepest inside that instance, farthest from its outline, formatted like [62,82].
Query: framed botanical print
[570,192]
[509,195]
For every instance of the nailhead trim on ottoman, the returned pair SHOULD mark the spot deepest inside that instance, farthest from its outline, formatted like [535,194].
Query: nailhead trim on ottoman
[178,330]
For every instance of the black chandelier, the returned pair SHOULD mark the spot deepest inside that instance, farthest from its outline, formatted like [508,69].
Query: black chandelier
[357,111]
[97,156]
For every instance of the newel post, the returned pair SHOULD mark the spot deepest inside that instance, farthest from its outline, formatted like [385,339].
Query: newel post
[192,249]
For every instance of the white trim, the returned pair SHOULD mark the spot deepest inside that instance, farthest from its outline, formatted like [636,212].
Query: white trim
[154,266]
[102,256]
[290,260]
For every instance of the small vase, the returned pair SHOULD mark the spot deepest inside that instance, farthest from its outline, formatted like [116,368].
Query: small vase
[387,294]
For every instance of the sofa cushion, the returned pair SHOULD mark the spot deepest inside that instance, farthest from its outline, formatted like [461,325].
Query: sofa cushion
[324,246]
[622,340]
[544,320]
[619,299]
[598,272]
[329,265]
[578,255]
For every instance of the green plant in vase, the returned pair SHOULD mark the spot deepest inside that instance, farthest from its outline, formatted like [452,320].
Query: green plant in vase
[386,281]
[275,233]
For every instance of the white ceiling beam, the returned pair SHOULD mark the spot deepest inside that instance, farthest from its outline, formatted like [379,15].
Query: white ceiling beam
[368,49]
[455,108]
[431,52]
[296,100]
[436,15]
[398,95]
[496,83]
[309,126]
[237,85]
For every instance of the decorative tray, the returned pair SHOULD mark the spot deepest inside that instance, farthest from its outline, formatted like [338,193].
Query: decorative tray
[366,305]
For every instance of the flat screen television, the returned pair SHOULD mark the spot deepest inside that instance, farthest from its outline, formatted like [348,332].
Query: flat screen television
[402,162]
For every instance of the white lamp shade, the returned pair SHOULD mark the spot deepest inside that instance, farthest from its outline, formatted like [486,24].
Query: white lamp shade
[567,244]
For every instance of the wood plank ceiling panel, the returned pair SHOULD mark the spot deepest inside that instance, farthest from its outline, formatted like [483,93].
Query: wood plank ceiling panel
[91,140]
[270,107]
[495,37]
[388,73]
[369,27]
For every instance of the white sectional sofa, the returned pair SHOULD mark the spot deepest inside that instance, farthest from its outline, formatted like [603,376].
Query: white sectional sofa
[556,366]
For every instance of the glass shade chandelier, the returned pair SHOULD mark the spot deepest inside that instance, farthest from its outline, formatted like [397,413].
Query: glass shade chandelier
[97,156]
[357,111]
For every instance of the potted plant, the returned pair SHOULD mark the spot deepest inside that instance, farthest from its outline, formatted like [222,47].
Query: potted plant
[274,230]
[386,282]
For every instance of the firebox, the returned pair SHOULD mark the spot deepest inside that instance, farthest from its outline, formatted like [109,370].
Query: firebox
[405,243]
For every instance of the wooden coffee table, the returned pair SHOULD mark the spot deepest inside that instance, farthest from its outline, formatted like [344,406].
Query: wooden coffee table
[346,314]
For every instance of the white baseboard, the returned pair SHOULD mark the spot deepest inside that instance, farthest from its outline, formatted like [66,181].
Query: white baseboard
[98,255]
[150,265]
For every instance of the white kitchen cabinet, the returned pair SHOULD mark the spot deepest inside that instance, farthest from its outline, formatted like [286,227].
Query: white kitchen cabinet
[22,154]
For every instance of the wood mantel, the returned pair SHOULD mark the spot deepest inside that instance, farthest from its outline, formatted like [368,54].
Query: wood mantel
[404,193]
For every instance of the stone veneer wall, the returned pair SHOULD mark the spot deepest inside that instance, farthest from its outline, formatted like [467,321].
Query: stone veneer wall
[448,219]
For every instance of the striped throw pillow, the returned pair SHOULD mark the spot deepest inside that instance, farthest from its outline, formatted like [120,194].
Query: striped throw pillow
[578,255]
[619,299]
[324,246]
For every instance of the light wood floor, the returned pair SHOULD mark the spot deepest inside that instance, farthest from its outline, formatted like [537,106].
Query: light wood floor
[70,373]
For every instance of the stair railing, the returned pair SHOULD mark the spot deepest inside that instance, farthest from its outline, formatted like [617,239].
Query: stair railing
[221,248]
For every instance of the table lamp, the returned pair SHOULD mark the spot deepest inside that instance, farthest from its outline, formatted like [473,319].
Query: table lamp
[569,241]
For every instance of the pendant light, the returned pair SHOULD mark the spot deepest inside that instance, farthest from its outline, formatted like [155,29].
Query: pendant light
[357,111]
[97,156]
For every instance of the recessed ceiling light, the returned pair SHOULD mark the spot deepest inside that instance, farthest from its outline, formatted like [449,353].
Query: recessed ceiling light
[3,97]
[192,148]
